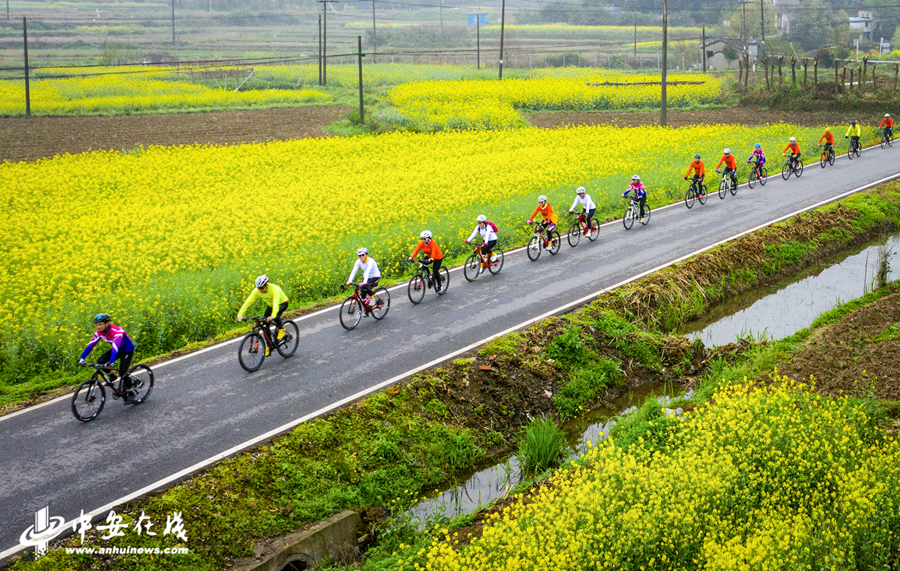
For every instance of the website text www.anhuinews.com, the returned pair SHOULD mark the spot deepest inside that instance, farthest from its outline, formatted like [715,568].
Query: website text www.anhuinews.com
[113,550]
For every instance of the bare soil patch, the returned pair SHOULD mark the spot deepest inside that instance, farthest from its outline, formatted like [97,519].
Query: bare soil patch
[747,116]
[29,139]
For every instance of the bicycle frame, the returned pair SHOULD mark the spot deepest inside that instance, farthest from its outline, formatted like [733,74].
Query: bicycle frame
[101,376]
[425,270]
[541,231]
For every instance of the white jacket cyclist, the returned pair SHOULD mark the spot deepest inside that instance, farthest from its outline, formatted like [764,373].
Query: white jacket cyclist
[370,270]
[487,233]
[586,202]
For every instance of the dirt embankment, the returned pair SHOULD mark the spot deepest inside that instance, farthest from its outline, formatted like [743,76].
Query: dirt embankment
[34,138]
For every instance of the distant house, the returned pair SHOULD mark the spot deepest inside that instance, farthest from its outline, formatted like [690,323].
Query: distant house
[783,9]
[862,25]
[715,56]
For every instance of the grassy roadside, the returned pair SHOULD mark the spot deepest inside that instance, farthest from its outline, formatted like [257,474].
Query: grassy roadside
[394,445]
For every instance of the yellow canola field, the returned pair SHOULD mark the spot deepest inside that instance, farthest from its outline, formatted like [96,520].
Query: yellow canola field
[136,90]
[776,478]
[168,240]
[437,105]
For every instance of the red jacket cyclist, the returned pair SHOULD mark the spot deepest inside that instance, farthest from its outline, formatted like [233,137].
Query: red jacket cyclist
[698,168]
[794,148]
[730,165]
[548,217]
[430,248]
[121,347]
[371,274]
[888,124]
[639,192]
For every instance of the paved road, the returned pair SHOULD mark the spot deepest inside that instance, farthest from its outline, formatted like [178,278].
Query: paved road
[205,405]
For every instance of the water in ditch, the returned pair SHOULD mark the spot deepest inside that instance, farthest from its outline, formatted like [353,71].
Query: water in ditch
[783,308]
[495,481]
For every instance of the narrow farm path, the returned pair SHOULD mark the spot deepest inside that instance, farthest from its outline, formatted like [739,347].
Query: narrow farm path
[205,406]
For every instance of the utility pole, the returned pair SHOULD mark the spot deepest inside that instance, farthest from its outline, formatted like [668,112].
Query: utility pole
[362,116]
[502,23]
[761,50]
[319,38]
[442,16]
[173,21]
[324,50]
[7,9]
[478,40]
[665,57]
[27,86]
[703,49]
[743,21]
[635,33]
[374,40]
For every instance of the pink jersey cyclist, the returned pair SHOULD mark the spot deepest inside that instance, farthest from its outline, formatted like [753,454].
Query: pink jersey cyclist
[121,347]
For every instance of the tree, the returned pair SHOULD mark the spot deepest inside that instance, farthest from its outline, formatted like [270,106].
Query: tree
[813,22]
[753,20]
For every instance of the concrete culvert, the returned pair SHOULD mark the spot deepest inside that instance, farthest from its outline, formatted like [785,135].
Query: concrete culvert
[297,563]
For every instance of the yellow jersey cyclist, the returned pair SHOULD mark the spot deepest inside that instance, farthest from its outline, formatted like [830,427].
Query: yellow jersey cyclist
[371,275]
[272,296]
[488,233]
[548,218]
[853,133]
[587,206]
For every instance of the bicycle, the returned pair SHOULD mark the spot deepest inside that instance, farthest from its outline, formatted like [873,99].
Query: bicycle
[696,190]
[580,226]
[887,137]
[258,344]
[632,212]
[791,166]
[354,308]
[726,184]
[827,156]
[541,240]
[472,267]
[90,396]
[758,174]
[853,149]
[424,279]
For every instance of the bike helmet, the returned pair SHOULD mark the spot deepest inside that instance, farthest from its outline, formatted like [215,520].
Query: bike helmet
[580,190]
[481,218]
[362,252]
[262,280]
[827,129]
[887,115]
[102,318]
[425,234]
[853,122]
[542,198]
[697,155]
[757,146]
[636,177]
[727,151]
[793,139]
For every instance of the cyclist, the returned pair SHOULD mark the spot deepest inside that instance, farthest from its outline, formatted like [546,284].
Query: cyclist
[730,165]
[587,205]
[430,248]
[853,133]
[488,237]
[758,155]
[888,124]
[639,192]
[272,296]
[795,150]
[829,140]
[548,218]
[699,171]
[121,347]
[371,274]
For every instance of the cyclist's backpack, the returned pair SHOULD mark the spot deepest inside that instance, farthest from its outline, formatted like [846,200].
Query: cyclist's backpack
[493,227]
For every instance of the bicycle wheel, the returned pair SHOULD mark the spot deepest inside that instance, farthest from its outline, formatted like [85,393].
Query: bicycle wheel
[88,400]
[473,265]
[595,230]
[252,352]
[534,248]
[857,150]
[733,188]
[798,169]
[751,179]
[703,194]
[883,141]
[723,188]
[141,382]
[786,171]
[628,218]
[763,176]
[496,262]
[290,341]
[689,198]
[555,242]
[574,235]
[890,141]
[646,219]
[416,288]
[382,305]
[850,152]
[351,313]
[823,160]
[831,157]
[445,281]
